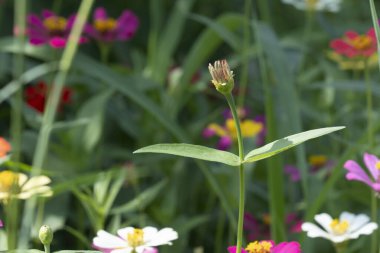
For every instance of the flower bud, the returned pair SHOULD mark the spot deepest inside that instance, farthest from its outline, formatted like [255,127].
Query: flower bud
[45,235]
[222,76]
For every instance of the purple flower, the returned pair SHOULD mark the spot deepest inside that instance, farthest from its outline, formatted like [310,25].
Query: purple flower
[108,29]
[293,172]
[1,224]
[50,29]
[355,171]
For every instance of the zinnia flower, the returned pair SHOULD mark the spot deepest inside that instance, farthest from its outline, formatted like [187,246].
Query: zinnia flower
[50,29]
[36,96]
[17,185]
[108,29]
[348,226]
[1,224]
[132,239]
[315,5]
[355,51]
[269,247]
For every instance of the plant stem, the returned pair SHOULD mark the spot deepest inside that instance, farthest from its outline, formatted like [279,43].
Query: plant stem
[232,106]
[18,68]
[369,106]
[245,59]
[374,218]
[47,248]
[50,111]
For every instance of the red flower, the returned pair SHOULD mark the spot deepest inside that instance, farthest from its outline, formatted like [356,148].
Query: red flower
[355,45]
[36,96]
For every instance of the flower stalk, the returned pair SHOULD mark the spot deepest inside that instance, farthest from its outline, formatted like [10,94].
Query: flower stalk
[222,78]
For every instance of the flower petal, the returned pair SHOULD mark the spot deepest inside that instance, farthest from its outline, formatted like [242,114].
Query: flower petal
[324,220]
[370,162]
[314,231]
[164,236]
[365,230]
[108,241]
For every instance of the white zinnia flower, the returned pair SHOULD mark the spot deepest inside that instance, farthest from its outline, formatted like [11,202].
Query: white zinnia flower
[348,226]
[132,239]
[14,184]
[315,5]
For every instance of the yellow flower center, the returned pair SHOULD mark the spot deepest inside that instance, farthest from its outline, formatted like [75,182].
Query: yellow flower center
[136,238]
[362,42]
[317,160]
[259,247]
[105,25]
[55,24]
[339,227]
[8,179]
[266,219]
[377,165]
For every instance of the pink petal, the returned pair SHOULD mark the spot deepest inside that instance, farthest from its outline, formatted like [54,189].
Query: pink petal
[287,247]
[232,249]
[370,162]
[58,42]
[47,14]
[100,13]
[351,35]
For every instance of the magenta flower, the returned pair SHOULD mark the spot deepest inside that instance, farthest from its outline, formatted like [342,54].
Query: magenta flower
[50,29]
[269,247]
[293,172]
[108,29]
[1,224]
[355,171]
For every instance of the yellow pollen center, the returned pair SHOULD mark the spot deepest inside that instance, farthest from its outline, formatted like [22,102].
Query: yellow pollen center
[362,42]
[317,160]
[56,24]
[136,238]
[377,165]
[259,247]
[7,180]
[105,25]
[339,227]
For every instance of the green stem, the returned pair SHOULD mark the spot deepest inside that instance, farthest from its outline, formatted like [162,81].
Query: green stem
[245,46]
[376,26]
[47,248]
[18,68]
[51,108]
[374,218]
[232,106]
[369,106]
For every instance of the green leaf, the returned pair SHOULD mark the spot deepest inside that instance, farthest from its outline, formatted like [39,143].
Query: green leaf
[193,151]
[142,200]
[283,144]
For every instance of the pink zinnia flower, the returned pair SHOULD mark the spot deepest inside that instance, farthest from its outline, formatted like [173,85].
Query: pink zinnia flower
[269,247]
[355,45]
[355,171]
[108,29]
[1,224]
[50,29]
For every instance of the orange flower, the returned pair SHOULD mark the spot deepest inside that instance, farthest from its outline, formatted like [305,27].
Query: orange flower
[5,147]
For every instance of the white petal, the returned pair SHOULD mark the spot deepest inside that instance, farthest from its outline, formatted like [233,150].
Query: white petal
[34,182]
[124,250]
[324,220]
[108,241]
[358,222]
[41,191]
[22,178]
[149,233]
[346,216]
[365,230]
[164,236]
[315,231]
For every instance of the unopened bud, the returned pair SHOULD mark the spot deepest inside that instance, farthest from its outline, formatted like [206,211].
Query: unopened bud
[222,76]
[46,235]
